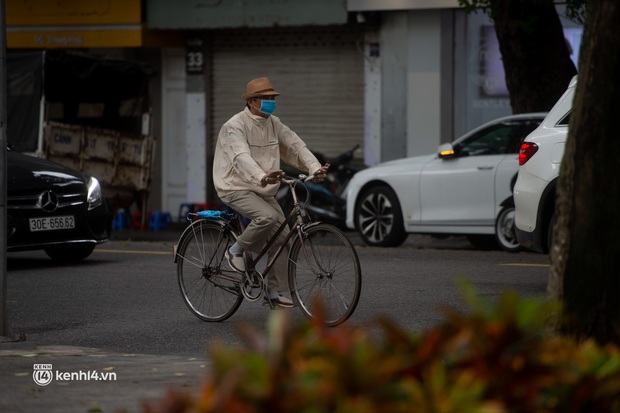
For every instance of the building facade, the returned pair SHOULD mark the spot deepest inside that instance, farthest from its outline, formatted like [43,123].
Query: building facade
[399,77]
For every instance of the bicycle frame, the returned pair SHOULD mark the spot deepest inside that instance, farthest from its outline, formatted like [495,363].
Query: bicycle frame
[298,211]
[299,225]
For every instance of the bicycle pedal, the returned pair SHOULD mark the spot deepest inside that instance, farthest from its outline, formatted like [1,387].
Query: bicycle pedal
[274,306]
[268,303]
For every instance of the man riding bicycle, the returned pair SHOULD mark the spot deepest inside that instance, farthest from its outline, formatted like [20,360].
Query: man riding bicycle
[246,165]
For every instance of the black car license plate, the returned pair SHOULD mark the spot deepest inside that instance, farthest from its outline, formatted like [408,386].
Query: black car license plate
[52,223]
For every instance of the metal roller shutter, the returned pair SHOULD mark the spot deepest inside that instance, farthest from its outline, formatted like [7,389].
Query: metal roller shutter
[319,73]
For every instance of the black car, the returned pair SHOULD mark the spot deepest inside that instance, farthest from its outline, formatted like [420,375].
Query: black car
[53,208]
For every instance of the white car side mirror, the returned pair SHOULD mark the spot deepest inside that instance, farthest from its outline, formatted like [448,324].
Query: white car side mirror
[445,150]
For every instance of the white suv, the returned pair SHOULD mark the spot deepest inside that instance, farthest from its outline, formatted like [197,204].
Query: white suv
[539,166]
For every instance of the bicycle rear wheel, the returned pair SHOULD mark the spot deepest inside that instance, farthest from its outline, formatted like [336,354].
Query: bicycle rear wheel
[209,287]
[324,274]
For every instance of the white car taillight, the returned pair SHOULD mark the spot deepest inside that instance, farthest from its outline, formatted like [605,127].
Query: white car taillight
[528,149]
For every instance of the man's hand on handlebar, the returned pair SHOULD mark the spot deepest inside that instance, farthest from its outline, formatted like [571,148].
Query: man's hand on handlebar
[272,177]
[320,173]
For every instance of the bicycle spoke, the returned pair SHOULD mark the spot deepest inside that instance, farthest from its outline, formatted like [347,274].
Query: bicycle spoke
[324,288]
[192,260]
[209,287]
[323,265]
[318,287]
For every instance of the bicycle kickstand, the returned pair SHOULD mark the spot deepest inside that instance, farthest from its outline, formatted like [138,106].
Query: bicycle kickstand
[267,300]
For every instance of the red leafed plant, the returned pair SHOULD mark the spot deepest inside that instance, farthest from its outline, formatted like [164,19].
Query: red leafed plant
[492,358]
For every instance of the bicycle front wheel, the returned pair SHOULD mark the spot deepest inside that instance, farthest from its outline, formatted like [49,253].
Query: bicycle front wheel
[210,288]
[324,274]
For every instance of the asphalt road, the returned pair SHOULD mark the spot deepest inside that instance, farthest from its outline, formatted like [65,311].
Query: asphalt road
[125,297]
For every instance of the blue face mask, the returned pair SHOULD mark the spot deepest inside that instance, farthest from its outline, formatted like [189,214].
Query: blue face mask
[267,106]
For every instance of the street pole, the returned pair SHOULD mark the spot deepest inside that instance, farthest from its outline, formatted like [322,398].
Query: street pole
[5,330]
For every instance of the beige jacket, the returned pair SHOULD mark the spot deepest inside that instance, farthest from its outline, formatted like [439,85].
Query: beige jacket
[249,146]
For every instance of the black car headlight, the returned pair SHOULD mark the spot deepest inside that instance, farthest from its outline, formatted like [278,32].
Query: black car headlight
[95,197]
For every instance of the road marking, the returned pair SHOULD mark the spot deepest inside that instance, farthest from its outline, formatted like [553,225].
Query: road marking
[526,265]
[135,252]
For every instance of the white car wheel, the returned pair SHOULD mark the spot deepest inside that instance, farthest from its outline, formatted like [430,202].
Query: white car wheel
[379,219]
[505,230]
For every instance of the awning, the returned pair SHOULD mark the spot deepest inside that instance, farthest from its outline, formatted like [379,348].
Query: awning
[380,5]
[216,14]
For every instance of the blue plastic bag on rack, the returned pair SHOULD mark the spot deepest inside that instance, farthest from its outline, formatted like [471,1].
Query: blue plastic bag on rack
[212,214]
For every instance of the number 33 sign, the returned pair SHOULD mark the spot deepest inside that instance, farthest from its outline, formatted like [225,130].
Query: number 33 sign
[194,59]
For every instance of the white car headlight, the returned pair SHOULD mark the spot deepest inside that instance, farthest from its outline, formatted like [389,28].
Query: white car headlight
[95,197]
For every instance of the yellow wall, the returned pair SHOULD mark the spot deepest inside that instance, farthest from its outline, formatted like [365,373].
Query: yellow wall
[73,23]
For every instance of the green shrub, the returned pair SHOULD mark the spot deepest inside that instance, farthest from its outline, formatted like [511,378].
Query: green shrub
[493,358]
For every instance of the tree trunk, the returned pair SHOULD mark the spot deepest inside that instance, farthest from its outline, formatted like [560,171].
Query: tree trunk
[534,52]
[585,257]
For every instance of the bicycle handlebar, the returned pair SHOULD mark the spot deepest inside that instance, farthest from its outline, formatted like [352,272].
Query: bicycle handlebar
[302,178]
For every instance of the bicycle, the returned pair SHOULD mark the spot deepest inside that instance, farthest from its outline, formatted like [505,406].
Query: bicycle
[324,272]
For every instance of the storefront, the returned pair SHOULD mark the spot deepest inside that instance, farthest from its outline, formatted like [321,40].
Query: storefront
[436,72]
[318,71]
[310,52]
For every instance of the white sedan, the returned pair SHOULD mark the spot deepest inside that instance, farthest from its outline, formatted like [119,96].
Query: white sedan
[465,188]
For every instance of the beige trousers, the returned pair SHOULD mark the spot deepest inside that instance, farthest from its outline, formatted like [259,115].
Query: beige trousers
[266,215]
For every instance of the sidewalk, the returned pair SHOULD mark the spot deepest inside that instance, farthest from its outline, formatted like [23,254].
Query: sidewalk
[96,380]
[90,380]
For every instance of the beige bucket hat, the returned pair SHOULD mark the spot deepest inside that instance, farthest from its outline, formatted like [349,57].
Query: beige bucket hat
[259,87]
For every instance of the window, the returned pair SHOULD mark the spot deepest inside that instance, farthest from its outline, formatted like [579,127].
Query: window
[565,120]
[494,140]
[497,139]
